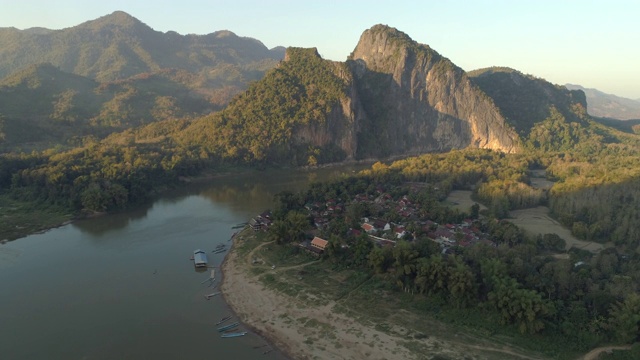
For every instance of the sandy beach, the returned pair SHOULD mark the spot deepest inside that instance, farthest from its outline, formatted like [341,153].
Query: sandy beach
[314,330]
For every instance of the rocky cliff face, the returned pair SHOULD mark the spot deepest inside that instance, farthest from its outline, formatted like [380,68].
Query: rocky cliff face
[338,130]
[392,97]
[417,101]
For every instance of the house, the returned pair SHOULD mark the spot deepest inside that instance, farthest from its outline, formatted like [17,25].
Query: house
[199,258]
[400,232]
[319,243]
[261,222]
[368,228]
[382,225]
[255,224]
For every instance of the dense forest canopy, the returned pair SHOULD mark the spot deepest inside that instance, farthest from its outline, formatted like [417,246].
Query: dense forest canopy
[572,299]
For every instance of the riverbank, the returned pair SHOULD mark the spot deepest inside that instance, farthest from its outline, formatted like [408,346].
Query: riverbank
[299,329]
[305,324]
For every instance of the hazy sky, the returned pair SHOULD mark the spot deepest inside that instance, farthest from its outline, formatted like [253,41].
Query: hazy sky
[593,43]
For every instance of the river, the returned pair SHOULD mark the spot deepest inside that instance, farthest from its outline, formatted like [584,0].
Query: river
[123,286]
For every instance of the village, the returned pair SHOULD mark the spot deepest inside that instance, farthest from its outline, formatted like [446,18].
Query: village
[414,224]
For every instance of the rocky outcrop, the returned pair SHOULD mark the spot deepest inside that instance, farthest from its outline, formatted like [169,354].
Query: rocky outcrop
[417,101]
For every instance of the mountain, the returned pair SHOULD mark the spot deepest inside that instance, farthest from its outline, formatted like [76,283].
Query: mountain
[609,106]
[526,100]
[119,46]
[392,97]
[419,101]
[109,74]
[42,106]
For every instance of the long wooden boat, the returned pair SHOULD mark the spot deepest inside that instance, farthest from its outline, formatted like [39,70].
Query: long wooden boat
[227,327]
[223,319]
[212,295]
[236,334]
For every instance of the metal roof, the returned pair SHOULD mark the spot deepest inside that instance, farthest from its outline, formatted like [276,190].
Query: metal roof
[199,257]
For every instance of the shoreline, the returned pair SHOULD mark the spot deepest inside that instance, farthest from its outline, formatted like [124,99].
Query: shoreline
[313,330]
[225,288]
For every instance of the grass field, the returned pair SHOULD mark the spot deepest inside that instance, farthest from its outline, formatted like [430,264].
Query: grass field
[537,221]
[461,200]
[19,219]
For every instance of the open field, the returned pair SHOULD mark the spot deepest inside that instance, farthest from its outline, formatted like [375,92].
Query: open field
[537,221]
[533,220]
[461,200]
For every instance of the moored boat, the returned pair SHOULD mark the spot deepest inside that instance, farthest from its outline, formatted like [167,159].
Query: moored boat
[235,334]
[223,319]
[199,258]
[228,327]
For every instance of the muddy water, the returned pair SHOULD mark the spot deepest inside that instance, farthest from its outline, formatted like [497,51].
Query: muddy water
[123,286]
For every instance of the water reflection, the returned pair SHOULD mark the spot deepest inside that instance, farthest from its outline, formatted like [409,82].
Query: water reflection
[106,223]
[123,285]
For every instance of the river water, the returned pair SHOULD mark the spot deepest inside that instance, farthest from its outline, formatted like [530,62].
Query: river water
[123,286]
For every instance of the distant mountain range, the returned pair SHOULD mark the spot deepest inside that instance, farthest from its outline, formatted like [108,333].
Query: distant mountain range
[605,105]
[119,46]
[243,102]
[113,73]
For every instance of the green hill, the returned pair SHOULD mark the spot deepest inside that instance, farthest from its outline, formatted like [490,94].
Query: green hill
[119,46]
[115,73]
[43,107]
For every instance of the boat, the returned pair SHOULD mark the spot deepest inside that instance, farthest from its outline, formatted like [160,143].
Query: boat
[219,247]
[199,258]
[211,278]
[235,334]
[228,327]
[212,295]
[219,251]
[223,319]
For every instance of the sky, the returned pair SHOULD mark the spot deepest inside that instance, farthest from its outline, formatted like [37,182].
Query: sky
[593,43]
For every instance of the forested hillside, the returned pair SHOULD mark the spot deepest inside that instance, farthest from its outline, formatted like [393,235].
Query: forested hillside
[115,73]
[310,111]
[43,107]
[118,46]
[284,118]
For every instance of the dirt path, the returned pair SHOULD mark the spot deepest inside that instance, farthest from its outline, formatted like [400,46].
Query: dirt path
[503,350]
[250,256]
[312,329]
[593,354]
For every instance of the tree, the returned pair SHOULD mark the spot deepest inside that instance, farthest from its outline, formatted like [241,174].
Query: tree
[475,211]
[405,257]
[278,232]
[522,307]
[297,224]
[624,321]
[379,259]
[460,282]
